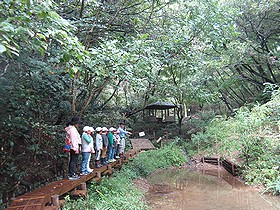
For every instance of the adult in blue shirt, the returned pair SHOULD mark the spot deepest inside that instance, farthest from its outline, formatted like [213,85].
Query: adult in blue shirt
[122,135]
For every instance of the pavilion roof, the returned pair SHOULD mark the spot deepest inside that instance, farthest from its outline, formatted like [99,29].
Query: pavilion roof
[161,105]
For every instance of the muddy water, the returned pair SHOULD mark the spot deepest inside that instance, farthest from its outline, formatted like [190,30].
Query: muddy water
[213,189]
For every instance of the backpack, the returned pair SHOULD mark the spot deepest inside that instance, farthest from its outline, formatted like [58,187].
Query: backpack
[67,146]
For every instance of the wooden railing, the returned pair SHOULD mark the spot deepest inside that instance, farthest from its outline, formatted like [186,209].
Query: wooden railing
[228,165]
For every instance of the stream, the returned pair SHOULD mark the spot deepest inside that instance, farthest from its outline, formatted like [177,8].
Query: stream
[213,189]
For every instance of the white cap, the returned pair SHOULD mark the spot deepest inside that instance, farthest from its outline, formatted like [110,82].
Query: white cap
[88,128]
[104,129]
[112,129]
[98,129]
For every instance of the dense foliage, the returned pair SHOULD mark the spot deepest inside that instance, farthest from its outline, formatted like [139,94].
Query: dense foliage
[118,192]
[251,139]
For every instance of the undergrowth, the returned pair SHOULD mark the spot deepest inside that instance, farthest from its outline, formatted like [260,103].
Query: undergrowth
[251,139]
[118,192]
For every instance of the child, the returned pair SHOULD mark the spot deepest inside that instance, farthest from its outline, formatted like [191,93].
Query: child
[111,145]
[105,146]
[87,149]
[92,151]
[99,145]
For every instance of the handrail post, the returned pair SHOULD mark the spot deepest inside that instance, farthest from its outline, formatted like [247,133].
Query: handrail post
[166,133]
[55,200]
[83,186]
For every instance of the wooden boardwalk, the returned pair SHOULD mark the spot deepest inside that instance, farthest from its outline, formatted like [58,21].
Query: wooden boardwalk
[142,144]
[38,198]
[47,197]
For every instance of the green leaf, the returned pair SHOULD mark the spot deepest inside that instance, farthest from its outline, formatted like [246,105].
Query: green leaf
[12,48]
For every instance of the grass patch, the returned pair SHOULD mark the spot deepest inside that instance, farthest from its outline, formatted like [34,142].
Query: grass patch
[118,192]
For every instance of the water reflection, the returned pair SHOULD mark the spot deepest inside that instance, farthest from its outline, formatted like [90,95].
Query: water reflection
[206,190]
[224,176]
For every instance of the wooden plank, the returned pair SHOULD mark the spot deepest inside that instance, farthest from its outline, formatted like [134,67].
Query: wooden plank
[27,207]
[36,202]
[214,161]
[142,144]
[228,165]
[38,198]
[59,187]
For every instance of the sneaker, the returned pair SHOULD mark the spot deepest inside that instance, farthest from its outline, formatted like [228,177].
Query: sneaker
[98,166]
[110,161]
[84,173]
[73,177]
[113,160]
[117,157]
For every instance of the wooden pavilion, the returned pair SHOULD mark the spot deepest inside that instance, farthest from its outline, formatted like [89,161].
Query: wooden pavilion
[160,112]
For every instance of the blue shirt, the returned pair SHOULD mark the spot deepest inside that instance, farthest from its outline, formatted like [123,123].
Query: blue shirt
[122,132]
